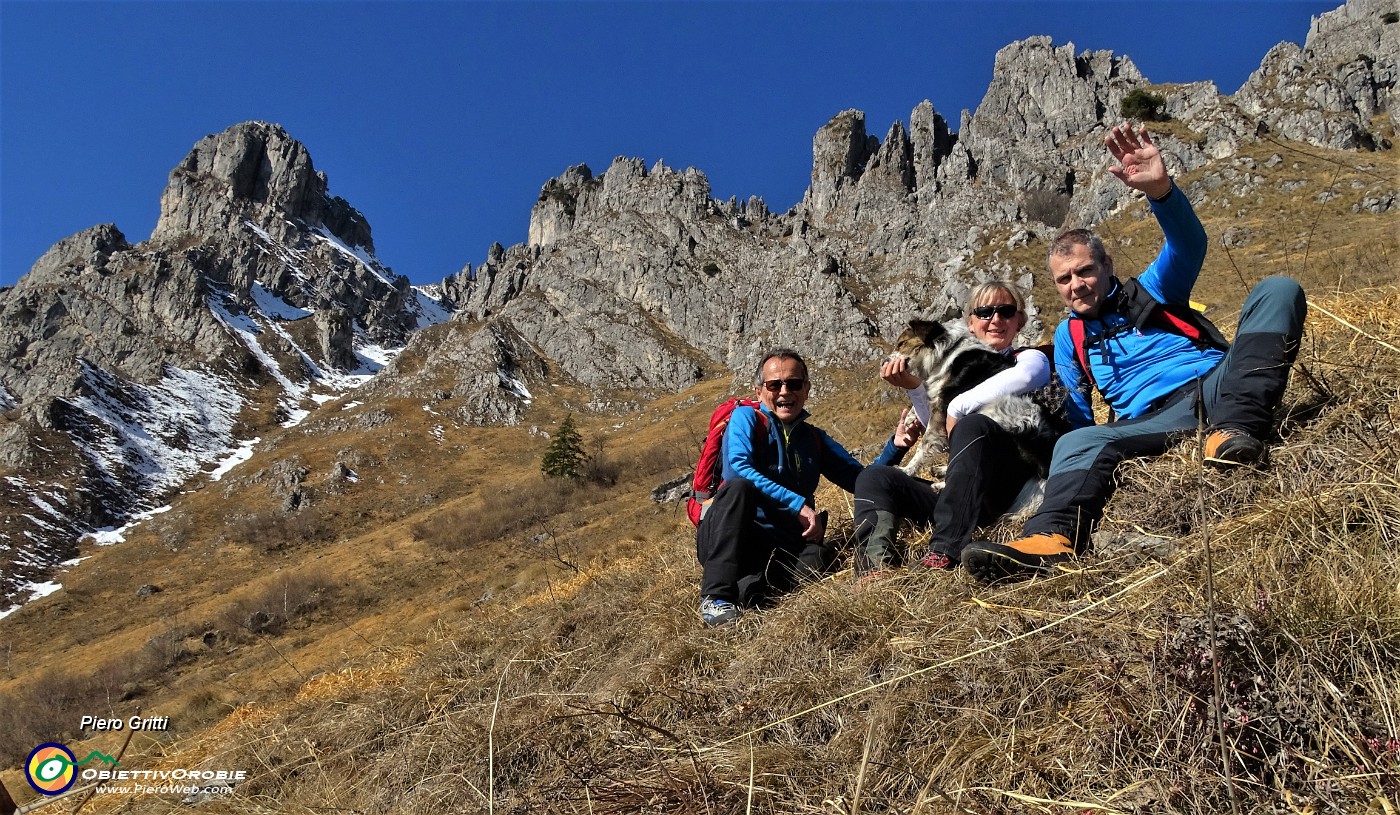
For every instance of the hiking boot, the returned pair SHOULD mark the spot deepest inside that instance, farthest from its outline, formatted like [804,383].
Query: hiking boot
[716,612]
[876,545]
[1230,447]
[938,561]
[990,562]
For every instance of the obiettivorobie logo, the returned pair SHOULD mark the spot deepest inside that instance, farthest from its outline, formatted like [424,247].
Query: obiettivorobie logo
[52,768]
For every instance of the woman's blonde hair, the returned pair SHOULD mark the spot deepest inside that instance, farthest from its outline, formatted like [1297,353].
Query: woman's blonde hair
[983,292]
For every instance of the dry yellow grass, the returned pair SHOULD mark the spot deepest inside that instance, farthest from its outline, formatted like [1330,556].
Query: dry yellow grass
[560,667]
[1233,642]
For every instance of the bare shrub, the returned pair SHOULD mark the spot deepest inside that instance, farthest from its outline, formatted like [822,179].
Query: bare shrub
[275,530]
[1046,206]
[166,649]
[1143,105]
[45,709]
[286,600]
[673,456]
[599,468]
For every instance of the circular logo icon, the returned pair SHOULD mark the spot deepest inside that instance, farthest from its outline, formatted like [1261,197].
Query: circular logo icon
[50,768]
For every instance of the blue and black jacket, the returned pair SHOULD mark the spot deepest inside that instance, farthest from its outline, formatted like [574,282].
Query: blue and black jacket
[1136,369]
[786,464]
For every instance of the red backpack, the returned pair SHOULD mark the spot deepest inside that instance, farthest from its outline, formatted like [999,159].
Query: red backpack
[709,468]
[1140,309]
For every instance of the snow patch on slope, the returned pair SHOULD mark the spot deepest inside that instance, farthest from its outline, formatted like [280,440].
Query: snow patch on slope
[161,434]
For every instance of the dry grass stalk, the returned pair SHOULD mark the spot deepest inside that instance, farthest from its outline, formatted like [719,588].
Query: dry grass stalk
[1091,691]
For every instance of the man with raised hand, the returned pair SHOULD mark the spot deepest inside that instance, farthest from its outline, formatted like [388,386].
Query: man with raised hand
[1160,367]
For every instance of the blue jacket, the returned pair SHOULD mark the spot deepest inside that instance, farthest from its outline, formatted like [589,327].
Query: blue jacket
[786,466]
[1135,369]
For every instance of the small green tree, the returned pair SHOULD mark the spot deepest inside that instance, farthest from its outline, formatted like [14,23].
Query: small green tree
[564,458]
[1143,105]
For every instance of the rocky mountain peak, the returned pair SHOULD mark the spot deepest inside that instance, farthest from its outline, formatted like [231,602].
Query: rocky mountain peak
[126,368]
[1328,92]
[1028,131]
[840,151]
[253,171]
[87,249]
[577,197]
[554,211]
[931,142]
[1359,27]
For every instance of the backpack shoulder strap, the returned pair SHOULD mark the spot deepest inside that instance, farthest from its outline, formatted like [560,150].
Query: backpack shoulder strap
[1076,338]
[1142,309]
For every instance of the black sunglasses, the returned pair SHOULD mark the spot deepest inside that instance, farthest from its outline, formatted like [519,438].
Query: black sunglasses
[1005,311]
[793,385]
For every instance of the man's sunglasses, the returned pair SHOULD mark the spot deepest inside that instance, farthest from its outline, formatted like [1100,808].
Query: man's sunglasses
[793,385]
[1005,311]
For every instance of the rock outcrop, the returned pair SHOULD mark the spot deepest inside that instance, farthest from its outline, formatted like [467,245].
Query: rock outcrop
[252,200]
[1332,91]
[125,368]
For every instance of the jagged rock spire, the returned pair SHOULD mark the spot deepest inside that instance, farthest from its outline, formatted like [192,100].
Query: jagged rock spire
[254,171]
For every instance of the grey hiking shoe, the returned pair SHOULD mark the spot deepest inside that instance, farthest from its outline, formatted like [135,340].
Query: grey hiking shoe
[716,612]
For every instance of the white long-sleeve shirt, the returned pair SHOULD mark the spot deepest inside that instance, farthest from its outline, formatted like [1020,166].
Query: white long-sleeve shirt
[1032,371]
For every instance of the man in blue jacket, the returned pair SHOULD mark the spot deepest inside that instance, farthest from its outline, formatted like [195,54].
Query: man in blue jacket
[1158,382]
[761,533]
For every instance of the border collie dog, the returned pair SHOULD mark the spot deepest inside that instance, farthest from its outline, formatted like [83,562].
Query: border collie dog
[950,360]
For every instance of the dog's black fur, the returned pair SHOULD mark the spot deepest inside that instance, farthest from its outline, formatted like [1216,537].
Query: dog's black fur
[951,361]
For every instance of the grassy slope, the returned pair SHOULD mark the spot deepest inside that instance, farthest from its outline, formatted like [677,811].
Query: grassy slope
[424,651]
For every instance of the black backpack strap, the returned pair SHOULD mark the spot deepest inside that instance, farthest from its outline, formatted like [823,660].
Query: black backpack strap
[1142,309]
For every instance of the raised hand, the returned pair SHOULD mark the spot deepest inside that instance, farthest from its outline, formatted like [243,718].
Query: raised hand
[1140,164]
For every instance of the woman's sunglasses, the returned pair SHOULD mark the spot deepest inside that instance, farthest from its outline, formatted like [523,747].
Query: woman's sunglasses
[1005,311]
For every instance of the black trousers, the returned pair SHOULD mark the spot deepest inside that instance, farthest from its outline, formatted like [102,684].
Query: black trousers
[751,562]
[986,472]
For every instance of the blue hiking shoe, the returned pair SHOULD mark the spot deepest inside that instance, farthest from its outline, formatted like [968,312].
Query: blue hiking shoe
[716,612]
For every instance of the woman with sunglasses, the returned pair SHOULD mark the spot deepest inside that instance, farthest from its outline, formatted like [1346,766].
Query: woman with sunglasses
[985,471]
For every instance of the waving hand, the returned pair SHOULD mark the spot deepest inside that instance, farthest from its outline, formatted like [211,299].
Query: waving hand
[1140,164]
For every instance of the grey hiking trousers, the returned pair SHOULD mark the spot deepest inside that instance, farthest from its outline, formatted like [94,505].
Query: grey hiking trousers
[1241,392]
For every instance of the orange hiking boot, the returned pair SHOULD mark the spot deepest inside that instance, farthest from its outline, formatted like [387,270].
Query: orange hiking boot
[990,562]
[1229,447]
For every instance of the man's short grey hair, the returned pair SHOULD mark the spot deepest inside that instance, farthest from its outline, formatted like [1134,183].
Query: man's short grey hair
[1066,242]
[778,353]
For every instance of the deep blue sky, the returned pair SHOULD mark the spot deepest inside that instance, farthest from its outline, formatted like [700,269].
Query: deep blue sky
[440,121]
